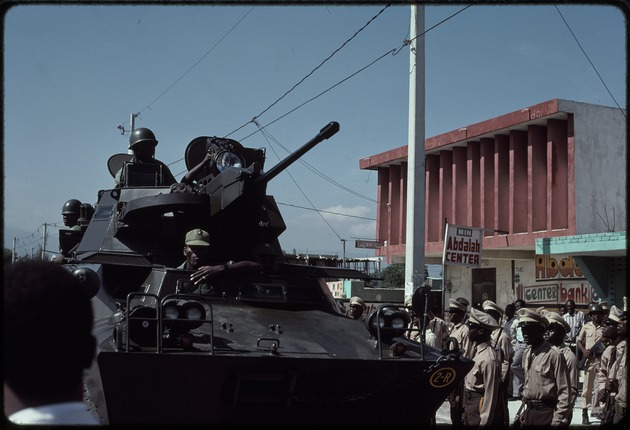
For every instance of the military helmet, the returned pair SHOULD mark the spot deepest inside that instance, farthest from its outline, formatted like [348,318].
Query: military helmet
[71,207]
[596,308]
[141,135]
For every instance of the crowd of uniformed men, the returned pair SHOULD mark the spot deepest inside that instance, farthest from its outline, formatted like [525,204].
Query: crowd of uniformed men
[527,355]
[535,357]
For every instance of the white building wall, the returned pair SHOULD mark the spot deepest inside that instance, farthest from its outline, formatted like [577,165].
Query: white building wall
[600,167]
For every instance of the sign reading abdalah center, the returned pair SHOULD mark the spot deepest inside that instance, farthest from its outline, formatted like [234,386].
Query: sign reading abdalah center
[462,246]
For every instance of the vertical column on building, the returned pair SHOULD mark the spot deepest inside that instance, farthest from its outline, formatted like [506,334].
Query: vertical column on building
[474,185]
[446,189]
[571,171]
[460,187]
[383,211]
[433,221]
[557,164]
[537,165]
[518,182]
[402,207]
[502,181]
[486,169]
[397,217]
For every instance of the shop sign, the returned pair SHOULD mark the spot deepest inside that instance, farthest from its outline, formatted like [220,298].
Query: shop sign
[580,292]
[462,246]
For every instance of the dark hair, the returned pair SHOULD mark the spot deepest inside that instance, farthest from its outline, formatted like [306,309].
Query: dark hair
[48,321]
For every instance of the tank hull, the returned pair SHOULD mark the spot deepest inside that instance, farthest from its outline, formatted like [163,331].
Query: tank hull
[196,389]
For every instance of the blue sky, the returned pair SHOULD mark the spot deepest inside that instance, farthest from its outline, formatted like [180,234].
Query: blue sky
[73,74]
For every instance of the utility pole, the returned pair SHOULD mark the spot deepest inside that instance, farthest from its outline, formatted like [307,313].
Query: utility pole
[414,248]
[44,242]
[13,250]
[343,258]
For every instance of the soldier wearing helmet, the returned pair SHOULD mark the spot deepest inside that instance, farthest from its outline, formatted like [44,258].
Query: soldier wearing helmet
[590,334]
[143,142]
[70,212]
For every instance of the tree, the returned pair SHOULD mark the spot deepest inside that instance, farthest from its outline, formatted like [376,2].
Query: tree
[393,276]
[7,255]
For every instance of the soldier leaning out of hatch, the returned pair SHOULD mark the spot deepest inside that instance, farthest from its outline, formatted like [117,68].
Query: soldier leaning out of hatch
[196,248]
[143,142]
[71,212]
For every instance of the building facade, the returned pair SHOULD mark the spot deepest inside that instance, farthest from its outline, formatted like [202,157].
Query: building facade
[532,179]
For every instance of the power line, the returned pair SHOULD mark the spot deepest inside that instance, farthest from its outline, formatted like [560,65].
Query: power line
[198,61]
[300,189]
[590,62]
[255,118]
[327,212]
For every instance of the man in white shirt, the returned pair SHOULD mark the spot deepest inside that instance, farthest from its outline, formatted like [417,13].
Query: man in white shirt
[48,343]
[575,319]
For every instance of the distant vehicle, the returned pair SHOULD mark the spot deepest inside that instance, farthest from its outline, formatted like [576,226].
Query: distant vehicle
[267,348]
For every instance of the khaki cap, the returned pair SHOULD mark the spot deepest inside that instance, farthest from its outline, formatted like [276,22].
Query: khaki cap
[615,314]
[492,306]
[525,315]
[483,319]
[197,237]
[556,318]
[357,301]
[454,304]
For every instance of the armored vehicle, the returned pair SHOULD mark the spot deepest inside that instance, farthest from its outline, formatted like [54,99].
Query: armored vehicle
[264,347]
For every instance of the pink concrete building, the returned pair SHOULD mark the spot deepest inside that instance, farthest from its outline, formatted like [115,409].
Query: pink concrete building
[555,169]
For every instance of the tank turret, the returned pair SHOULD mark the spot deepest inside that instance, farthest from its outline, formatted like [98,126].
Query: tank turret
[267,345]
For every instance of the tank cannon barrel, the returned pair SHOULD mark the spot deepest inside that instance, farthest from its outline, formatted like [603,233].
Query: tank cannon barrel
[325,133]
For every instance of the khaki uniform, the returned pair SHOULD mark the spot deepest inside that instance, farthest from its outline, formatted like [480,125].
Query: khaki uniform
[460,333]
[589,336]
[607,359]
[481,386]
[546,390]
[574,374]
[502,344]
[619,371]
[438,327]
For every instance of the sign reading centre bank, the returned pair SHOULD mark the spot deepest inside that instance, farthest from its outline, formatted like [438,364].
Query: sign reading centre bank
[462,246]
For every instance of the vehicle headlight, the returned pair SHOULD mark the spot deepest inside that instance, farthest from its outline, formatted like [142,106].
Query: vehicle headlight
[228,159]
[391,321]
[183,315]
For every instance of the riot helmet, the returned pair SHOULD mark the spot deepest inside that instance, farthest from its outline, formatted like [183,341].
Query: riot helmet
[141,135]
[71,207]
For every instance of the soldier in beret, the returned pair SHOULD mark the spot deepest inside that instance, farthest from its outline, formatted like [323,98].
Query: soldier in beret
[546,391]
[481,385]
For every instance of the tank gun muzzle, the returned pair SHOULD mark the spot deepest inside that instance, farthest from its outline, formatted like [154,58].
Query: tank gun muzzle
[325,133]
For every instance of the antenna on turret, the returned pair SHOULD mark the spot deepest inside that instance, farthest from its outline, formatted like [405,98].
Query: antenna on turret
[132,121]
